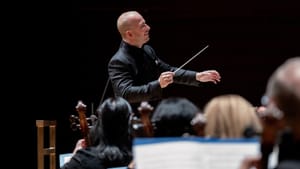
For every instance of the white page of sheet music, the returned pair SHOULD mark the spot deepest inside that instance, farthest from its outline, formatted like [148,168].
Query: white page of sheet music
[192,153]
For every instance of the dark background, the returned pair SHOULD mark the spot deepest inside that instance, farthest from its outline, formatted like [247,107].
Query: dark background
[71,44]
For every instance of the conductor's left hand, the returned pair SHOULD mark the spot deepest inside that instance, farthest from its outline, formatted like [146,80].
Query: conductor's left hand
[208,76]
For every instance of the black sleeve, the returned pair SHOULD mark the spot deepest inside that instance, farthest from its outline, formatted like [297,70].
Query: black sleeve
[122,78]
[182,76]
[82,159]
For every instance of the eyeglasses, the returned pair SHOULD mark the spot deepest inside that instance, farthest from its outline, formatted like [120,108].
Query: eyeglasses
[271,108]
[264,100]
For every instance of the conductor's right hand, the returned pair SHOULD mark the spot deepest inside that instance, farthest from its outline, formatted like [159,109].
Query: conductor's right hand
[165,79]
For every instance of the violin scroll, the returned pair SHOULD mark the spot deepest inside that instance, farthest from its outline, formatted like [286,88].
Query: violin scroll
[141,124]
[84,127]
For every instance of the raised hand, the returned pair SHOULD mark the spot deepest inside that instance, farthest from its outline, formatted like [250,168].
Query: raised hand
[209,76]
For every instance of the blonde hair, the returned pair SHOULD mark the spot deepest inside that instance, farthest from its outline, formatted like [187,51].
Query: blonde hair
[228,116]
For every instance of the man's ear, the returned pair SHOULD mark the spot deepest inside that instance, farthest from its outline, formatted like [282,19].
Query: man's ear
[129,34]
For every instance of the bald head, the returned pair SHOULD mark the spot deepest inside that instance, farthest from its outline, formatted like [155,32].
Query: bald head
[284,89]
[126,20]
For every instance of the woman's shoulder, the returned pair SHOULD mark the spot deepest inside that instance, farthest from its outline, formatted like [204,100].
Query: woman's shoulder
[89,156]
[84,158]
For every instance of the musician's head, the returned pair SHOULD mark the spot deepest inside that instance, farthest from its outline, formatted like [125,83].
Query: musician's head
[112,124]
[173,116]
[229,116]
[283,91]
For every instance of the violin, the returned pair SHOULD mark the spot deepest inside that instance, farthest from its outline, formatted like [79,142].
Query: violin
[272,122]
[141,124]
[81,122]
[84,128]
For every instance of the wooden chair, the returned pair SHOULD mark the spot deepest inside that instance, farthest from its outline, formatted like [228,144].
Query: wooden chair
[41,150]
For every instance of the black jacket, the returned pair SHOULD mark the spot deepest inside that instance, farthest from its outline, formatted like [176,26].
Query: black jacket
[134,73]
[289,151]
[89,159]
[84,159]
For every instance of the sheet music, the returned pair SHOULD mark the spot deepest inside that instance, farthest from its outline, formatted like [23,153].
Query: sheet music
[192,153]
[64,158]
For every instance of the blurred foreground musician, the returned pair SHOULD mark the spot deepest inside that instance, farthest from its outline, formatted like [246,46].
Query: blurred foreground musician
[281,119]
